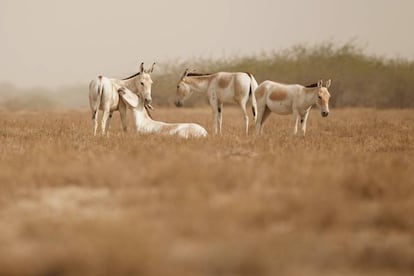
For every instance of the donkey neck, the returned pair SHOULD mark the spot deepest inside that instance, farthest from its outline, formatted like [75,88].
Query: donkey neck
[199,83]
[310,96]
[131,84]
[141,116]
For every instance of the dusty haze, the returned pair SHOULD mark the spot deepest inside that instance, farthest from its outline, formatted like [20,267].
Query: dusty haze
[52,43]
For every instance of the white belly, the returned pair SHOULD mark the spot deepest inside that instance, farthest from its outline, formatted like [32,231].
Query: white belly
[280,107]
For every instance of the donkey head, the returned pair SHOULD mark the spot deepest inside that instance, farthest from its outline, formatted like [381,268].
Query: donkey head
[323,97]
[144,83]
[183,90]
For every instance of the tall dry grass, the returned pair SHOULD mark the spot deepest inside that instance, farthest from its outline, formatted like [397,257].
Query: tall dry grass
[339,202]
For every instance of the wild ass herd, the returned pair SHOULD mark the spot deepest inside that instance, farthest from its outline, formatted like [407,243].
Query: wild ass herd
[134,92]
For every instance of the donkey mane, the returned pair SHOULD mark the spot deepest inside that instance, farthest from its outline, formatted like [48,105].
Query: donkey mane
[133,76]
[197,74]
[313,85]
[147,110]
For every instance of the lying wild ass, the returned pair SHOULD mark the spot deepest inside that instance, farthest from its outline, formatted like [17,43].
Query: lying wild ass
[103,95]
[287,99]
[145,124]
[220,87]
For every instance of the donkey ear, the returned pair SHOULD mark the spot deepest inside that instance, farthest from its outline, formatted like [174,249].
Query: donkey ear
[152,68]
[128,97]
[141,68]
[328,83]
[320,83]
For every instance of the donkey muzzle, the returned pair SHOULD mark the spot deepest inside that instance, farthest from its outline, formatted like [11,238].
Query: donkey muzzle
[178,103]
[324,113]
[147,101]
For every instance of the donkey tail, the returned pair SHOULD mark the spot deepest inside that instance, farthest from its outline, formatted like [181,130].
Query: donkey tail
[99,97]
[253,86]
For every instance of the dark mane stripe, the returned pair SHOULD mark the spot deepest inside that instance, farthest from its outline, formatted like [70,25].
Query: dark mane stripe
[148,112]
[313,85]
[133,76]
[197,74]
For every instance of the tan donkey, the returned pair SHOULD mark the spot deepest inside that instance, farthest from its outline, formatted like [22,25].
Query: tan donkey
[145,124]
[220,88]
[293,99]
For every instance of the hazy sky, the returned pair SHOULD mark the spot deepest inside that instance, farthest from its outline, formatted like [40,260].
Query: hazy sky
[52,43]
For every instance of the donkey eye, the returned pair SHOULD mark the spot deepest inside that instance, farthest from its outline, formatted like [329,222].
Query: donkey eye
[142,83]
[319,97]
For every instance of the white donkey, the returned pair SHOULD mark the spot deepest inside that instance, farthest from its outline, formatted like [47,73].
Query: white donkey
[145,124]
[291,99]
[103,95]
[220,87]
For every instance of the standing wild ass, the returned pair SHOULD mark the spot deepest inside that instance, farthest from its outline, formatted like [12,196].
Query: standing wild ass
[220,87]
[145,124]
[287,99]
[103,95]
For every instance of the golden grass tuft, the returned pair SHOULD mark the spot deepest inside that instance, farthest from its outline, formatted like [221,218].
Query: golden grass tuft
[339,202]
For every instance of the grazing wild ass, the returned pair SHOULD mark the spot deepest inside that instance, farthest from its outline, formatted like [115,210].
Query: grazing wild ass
[103,95]
[220,87]
[145,124]
[291,99]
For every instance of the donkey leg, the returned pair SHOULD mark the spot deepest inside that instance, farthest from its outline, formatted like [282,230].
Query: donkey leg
[108,123]
[303,122]
[214,107]
[95,121]
[122,112]
[215,122]
[105,117]
[246,119]
[220,116]
[295,122]
[266,114]
[262,114]
[260,111]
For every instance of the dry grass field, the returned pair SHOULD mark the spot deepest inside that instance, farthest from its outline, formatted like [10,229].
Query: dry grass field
[339,202]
